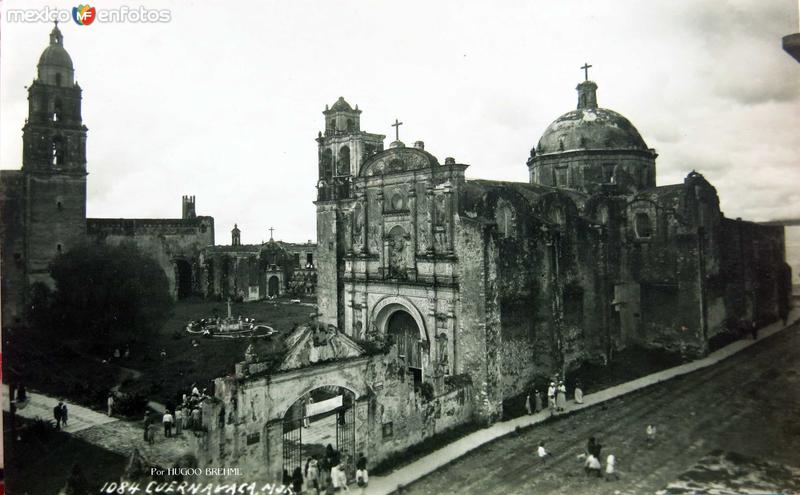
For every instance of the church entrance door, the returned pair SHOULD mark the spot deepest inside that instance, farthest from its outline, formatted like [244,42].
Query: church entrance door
[273,287]
[183,278]
[403,331]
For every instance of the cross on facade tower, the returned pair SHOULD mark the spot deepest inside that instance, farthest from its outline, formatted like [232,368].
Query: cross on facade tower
[586,70]
[396,126]
[270,233]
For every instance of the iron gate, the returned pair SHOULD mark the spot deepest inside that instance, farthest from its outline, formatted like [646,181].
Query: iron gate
[346,439]
[292,445]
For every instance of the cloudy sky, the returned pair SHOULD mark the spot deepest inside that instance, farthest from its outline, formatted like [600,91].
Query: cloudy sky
[225,100]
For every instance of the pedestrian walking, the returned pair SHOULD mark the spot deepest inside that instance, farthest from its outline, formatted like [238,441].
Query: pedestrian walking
[195,418]
[147,421]
[22,394]
[551,398]
[178,420]
[611,463]
[297,480]
[542,452]
[151,433]
[312,474]
[64,413]
[110,404]
[650,432]
[593,447]
[537,397]
[578,393]
[528,404]
[339,479]
[167,419]
[754,330]
[362,475]
[593,467]
[561,396]
[57,415]
[186,413]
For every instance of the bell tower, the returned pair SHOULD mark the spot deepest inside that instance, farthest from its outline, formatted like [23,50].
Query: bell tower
[53,161]
[342,149]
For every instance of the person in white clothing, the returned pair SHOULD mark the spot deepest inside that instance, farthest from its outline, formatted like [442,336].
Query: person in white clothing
[110,403]
[339,479]
[593,466]
[362,479]
[611,463]
[542,452]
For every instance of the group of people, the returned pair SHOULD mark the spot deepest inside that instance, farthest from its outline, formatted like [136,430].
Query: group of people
[591,457]
[187,415]
[556,398]
[326,474]
[60,414]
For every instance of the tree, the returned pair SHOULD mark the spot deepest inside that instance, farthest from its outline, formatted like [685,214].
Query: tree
[105,292]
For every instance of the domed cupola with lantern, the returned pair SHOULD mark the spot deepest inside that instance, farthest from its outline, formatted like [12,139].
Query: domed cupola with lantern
[591,146]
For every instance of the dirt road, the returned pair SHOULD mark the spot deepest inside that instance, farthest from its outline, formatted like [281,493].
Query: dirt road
[748,404]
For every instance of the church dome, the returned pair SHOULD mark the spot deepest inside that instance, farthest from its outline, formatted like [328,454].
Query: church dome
[590,127]
[55,55]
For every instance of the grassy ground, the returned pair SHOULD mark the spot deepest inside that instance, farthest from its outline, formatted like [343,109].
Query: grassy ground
[163,378]
[41,461]
[69,369]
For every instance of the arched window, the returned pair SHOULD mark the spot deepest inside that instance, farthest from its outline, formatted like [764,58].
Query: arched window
[332,124]
[350,125]
[57,110]
[58,79]
[504,217]
[57,151]
[344,160]
[643,225]
[326,164]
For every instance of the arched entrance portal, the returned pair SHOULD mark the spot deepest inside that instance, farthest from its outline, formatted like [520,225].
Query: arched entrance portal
[274,288]
[321,418]
[183,278]
[402,330]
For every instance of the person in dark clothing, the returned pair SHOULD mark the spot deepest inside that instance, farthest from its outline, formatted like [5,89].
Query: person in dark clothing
[287,480]
[754,330]
[57,415]
[361,463]
[297,480]
[22,394]
[593,447]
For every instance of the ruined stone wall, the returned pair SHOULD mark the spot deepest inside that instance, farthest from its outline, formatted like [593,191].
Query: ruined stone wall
[12,236]
[245,420]
[755,275]
[165,240]
[327,263]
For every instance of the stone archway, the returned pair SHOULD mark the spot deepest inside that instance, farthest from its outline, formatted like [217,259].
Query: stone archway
[320,418]
[183,278]
[388,305]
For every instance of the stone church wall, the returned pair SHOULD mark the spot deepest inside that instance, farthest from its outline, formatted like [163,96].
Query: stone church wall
[163,239]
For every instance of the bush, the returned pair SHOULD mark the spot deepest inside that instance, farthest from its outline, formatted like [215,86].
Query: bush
[130,405]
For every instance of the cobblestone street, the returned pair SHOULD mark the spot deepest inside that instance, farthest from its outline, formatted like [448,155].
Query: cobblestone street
[748,404]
